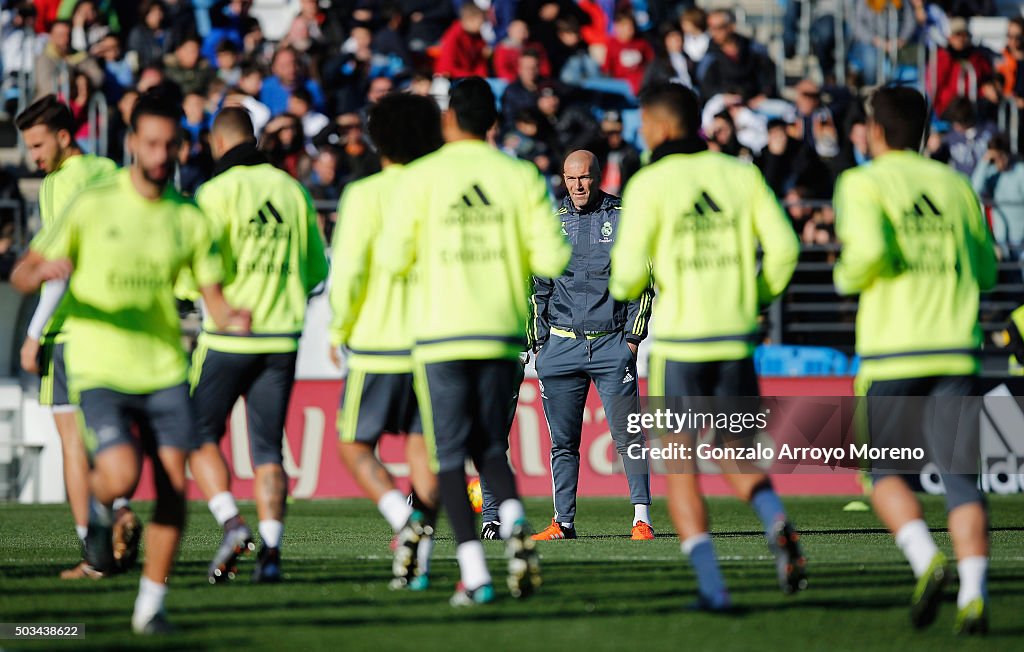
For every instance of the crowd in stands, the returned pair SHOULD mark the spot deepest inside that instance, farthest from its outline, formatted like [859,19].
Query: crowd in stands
[566,71]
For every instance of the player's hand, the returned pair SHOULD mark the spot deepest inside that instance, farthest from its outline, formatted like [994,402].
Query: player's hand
[334,353]
[240,321]
[53,270]
[30,355]
[633,347]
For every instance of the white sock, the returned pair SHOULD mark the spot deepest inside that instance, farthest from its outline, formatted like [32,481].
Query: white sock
[473,565]
[394,508]
[972,571]
[509,512]
[223,507]
[119,503]
[82,531]
[270,532]
[641,513]
[149,602]
[915,540]
[423,551]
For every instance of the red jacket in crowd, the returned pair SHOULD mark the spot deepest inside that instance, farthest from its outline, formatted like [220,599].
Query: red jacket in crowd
[461,54]
[628,60]
[949,71]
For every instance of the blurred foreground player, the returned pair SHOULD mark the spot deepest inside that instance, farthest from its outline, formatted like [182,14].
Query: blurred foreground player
[918,251]
[703,238]
[264,226]
[372,322]
[122,242]
[46,127]
[473,225]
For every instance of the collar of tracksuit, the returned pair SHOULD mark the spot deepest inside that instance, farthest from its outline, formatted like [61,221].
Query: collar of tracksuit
[244,154]
[678,146]
[605,201]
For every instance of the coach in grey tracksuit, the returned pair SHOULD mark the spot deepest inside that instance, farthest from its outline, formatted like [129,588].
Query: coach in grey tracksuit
[581,334]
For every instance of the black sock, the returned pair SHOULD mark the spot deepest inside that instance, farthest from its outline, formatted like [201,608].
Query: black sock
[456,502]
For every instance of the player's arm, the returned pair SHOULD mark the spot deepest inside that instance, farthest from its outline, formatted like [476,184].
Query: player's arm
[315,268]
[860,226]
[779,244]
[638,312]
[350,273]
[207,268]
[634,244]
[539,329]
[49,299]
[49,257]
[400,230]
[982,247]
[547,250]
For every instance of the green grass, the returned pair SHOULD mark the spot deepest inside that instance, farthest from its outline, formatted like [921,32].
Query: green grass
[601,591]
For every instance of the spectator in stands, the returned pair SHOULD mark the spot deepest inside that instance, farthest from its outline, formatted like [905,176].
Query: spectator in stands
[822,31]
[999,178]
[524,141]
[86,27]
[187,68]
[16,55]
[288,74]
[324,181]
[388,40]
[696,41]
[46,14]
[570,58]
[515,45]
[463,51]
[300,104]
[932,23]
[57,53]
[565,127]
[854,151]
[150,77]
[258,111]
[193,170]
[749,126]
[737,63]
[671,63]
[967,141]
[117,71]
[954,63]
[229,68]
[788,162]
[628,54]
[427,20]
[149,38]
[347,74]
[868,27]
[619,160]
[814,124]
[358,159]
[9,217]
[283,141]
[524,91]
[229,19]
[306,33]
[722,137]
[1011,64]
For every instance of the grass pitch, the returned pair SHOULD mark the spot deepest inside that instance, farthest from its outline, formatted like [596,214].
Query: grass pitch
[601,591]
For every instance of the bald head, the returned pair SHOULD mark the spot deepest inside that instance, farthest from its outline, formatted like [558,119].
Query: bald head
[582,175]
[231,128]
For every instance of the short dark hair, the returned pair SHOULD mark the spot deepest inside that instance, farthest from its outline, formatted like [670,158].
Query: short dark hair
[1000,142]
[961,111]
[161,103]
[405,127]
[678,100]
[234,120]
[49,111]
[472,100]
[902,112]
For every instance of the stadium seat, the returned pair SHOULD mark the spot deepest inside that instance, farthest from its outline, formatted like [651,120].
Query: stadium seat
[787,360]
[611,86]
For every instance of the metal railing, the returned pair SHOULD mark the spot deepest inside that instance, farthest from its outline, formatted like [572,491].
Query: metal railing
[1009,122]
[967,81]
[98,119]
[25,82]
